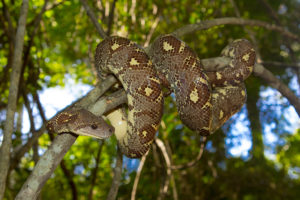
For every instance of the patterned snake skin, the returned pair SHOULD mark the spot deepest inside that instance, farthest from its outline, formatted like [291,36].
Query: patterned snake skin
[205,100]
[132,66]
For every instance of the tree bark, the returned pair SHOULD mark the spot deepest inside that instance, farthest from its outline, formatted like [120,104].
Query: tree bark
[45,167]
[12,98]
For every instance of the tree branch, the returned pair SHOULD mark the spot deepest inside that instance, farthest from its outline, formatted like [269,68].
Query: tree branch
[165,186]
[70,180]
[137,176]
[45,167]
[93,19]
[233,21]
[94,171]
[274,82]
[193,162]
[12,98]
[111,18]
[280,64]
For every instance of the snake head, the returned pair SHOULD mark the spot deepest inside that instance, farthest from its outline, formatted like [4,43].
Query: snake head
[80,122]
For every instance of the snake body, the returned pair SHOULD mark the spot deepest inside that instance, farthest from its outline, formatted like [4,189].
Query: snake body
[205,100]
[184,75]
[228,88]
[132,66]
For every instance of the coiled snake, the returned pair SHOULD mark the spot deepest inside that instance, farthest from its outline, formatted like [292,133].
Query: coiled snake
[205,100]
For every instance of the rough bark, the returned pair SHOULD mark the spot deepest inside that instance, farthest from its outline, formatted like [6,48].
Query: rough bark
[12,98]
[45,167]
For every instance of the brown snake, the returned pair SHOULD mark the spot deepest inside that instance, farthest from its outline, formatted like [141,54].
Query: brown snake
[205,100]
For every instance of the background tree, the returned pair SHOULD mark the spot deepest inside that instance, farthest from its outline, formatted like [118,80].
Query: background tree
[59,44]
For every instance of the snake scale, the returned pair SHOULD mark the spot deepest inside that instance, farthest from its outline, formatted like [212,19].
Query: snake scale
[205,100]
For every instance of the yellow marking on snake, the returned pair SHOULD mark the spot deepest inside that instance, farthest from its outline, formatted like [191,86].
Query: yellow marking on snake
[133,61]
[221,114]
[115,46]
[231,53]
[144,133]
[194,95]
[167,46]
[194,64]
[215,95]
[205,128]
[246,57]
[130,114]
[156,80]
[148,91]
[201,80]
[219,76]
[243,93]
[182,46]
[138,50]
[133,155]
[250,69]
[207,104]
[159,98]
[222,91]
[155,126]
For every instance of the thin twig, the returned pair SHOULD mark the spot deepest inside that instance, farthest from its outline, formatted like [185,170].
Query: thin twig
[193,162]
[137,176]
[94,171]
[111,18]
[233,21]
[165,186]
[69,177]
[280,64]
[274,82]
[93,19]
[153,27]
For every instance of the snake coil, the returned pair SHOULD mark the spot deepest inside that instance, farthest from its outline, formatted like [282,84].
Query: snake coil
[205,100]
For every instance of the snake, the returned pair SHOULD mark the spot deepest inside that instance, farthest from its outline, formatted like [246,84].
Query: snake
[205,99]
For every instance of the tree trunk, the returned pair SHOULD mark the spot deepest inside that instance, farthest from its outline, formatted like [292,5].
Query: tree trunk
[12,98]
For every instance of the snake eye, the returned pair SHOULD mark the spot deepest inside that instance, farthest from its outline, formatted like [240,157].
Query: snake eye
[94,126]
